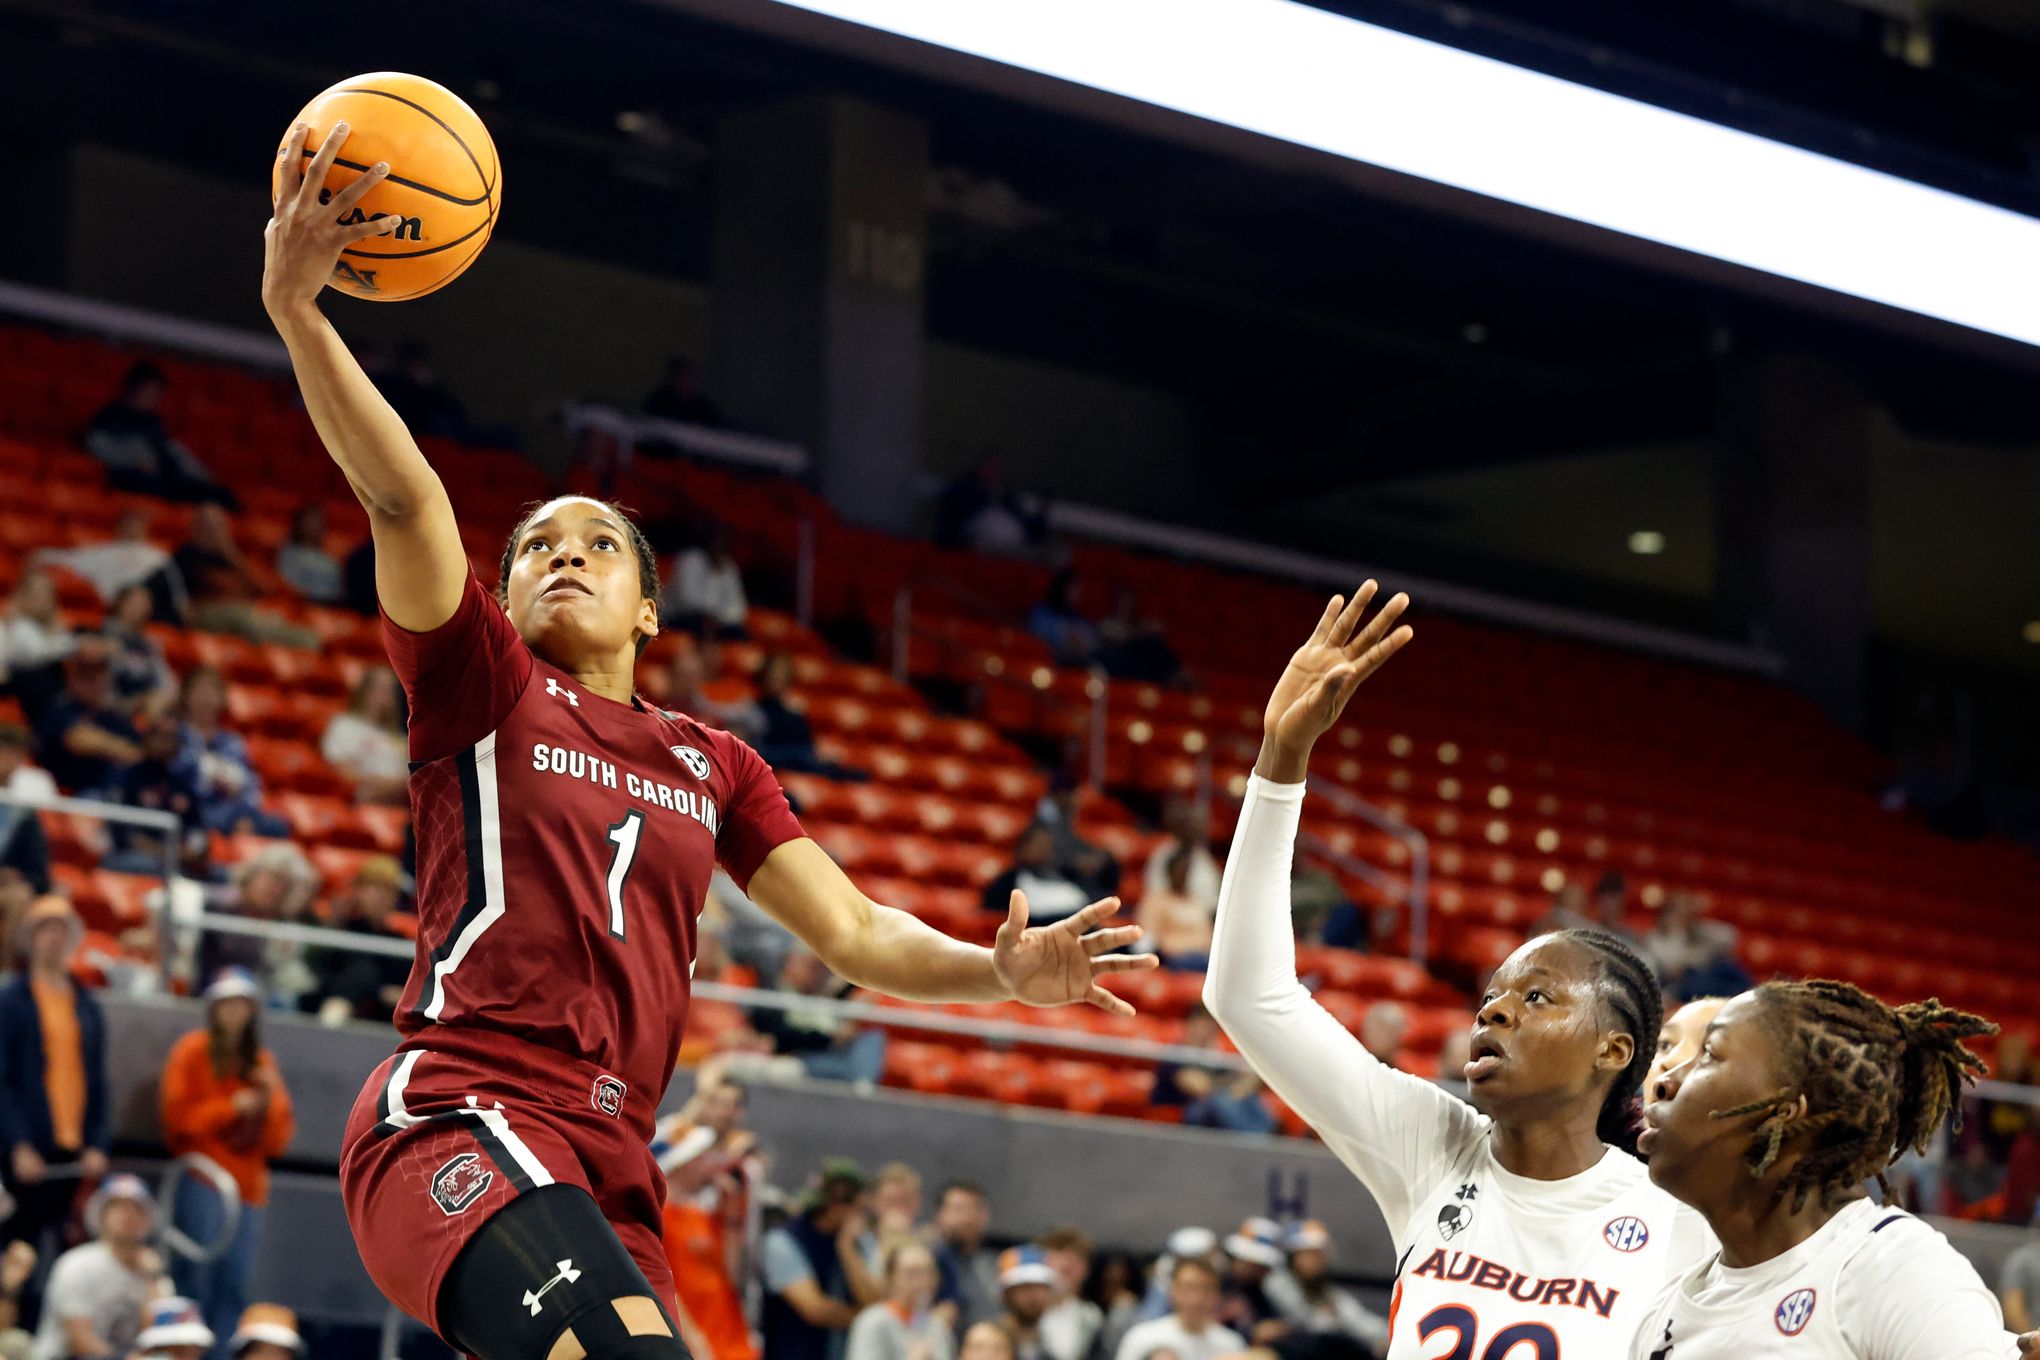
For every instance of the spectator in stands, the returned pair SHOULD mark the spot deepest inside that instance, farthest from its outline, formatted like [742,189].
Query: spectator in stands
[128,437]
[54,1109]
[223,588]
[704,1240]
[1174,922]
[303,562]
[2019,1285]
[1057,621]
[1131,647]
[85,739]
[679,397]
[224,1097]
[970,1271]
[1210,1097]
[1694,956]
[1252,1256]
[276,883]
[895,1211]
[1051,895]
[414,390]
[829,1047]
[986,1341]
[1568,910]
[1028,1285]
[366,743]
[165,779]
[705,592]
[1089,866]
[1184,1244]
[1323,913]
[812,1271]
[1189,826]
[1070,1327]
[754,938]
[174,1329]
[1611,907]
[143,683]
[904,1326]
[685,676]
[348,984]
[17,1264]
[787,742]
[1318,1310]
[33,642]
[977,510]
[230,791]
[1382,1029]
[1190,1330]
[1112,1288]
[129,559]
[24,846]
[266,1331]
[98,1293]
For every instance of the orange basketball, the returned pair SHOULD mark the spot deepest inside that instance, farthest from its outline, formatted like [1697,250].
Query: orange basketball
[445,185]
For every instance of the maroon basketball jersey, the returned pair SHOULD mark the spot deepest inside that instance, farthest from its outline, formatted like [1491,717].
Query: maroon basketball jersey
[565,843]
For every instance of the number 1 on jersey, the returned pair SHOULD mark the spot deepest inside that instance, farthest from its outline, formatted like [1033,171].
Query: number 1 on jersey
[624,836]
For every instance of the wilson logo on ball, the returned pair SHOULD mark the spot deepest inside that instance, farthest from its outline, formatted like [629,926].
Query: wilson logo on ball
[405,228]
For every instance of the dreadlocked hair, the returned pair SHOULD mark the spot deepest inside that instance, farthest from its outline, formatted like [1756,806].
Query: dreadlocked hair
[1878,1081]
[647,560]
[1629,989]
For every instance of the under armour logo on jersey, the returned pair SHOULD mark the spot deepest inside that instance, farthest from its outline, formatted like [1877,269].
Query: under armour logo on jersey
[1664,1351]
[1467,1192]
[1795,1310]
[696,763]
[567,1275]
[554,687]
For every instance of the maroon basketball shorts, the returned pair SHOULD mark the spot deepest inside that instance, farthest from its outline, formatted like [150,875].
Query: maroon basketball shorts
[456,1125]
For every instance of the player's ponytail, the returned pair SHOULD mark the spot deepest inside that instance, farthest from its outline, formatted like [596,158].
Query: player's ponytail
[1629,989]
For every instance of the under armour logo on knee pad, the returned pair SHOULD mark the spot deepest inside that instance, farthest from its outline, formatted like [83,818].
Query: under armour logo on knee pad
[567,1275]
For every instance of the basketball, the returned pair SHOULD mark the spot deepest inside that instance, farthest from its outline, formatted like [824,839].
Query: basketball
[444,189]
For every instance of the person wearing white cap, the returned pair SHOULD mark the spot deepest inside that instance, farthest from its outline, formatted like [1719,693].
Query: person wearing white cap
[1253,1255]
[93,1302]
[1028,1283]
[176,1330]
[267,1331]
[1184,1244]
[1318,1310]
[1191,1329]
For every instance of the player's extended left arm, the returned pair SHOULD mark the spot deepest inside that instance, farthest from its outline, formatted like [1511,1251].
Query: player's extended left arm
[891,951]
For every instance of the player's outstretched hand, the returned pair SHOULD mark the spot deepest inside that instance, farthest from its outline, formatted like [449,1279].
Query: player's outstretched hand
[304,238]
[2029,1345]
[1341,652]
[1060,965]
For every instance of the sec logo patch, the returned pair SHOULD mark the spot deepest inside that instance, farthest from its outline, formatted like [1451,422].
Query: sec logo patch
[1795,1310]
[1627,1234]
[696,763]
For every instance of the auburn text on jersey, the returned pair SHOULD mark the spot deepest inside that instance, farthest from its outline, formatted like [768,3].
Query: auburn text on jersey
[1485,1274]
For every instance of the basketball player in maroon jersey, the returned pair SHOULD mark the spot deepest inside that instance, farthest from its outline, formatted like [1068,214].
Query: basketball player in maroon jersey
[496,1169]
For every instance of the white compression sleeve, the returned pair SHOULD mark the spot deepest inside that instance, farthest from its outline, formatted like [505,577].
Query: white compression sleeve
[1398,1133]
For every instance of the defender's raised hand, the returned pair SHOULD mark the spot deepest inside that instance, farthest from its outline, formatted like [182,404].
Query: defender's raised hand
[1344,649]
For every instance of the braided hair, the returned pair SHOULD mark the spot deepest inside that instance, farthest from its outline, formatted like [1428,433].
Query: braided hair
[1629,990]
[647,560]
[1878,1081]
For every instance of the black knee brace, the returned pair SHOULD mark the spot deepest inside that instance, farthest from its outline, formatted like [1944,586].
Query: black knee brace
[545,1262]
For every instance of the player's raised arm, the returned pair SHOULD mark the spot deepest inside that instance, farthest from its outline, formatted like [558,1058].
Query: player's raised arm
[420,566]
[891,951]
[1392,1129]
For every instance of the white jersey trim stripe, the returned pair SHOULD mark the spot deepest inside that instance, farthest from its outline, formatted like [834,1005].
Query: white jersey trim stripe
[487,813]
[520,1151]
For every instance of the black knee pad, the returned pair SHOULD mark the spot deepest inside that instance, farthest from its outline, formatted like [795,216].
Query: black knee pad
[545,1262]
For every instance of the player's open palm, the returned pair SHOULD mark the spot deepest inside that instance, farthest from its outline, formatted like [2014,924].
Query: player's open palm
[305,235]
[1346,647]
[1060,964]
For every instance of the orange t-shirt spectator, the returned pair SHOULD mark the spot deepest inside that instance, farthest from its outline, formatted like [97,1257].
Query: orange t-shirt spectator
[224,1099]
[698,1247]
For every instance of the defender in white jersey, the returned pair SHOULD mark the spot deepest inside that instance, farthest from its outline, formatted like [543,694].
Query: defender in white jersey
[1520,1233]
[1799,1094]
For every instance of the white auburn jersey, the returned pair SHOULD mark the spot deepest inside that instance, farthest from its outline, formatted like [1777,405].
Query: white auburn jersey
[1874,1283]
[1489,1265]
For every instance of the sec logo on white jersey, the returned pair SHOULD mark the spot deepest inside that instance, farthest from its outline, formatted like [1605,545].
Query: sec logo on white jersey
[1795,1310]
[696,763]
[1627,1233]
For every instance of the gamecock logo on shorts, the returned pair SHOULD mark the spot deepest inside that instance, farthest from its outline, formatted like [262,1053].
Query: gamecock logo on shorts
[1795,1310]
[460,1183]
[696,763]
[608,1096]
